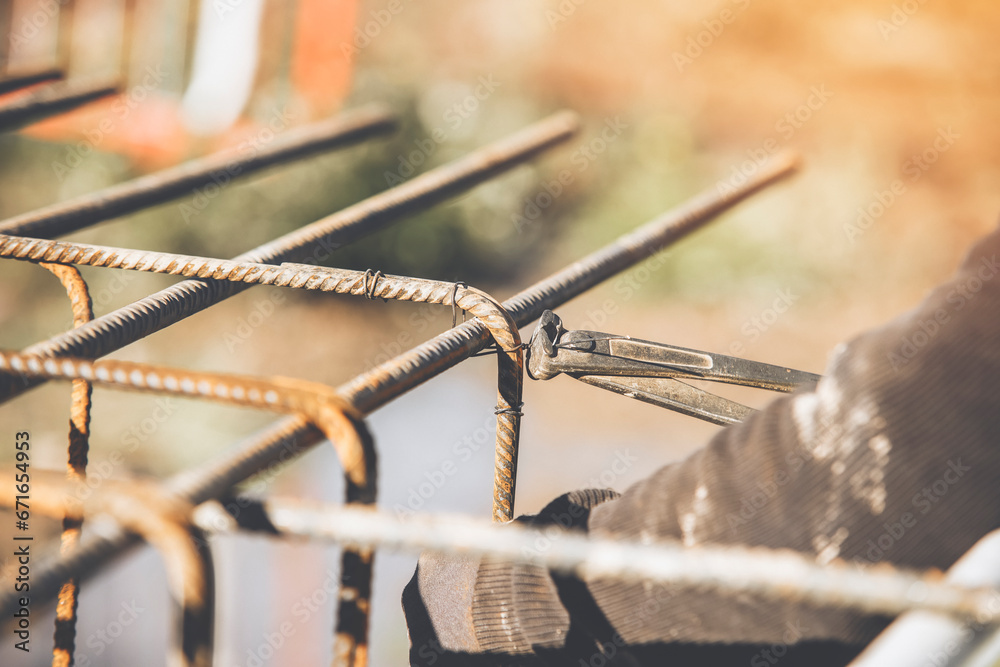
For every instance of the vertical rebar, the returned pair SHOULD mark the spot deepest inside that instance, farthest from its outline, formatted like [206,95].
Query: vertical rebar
[64,640]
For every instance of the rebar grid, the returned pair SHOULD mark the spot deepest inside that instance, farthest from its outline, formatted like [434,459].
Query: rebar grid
[339,422]
[126,325]
[164,521]
[291,437]
[64,640]
[481,305]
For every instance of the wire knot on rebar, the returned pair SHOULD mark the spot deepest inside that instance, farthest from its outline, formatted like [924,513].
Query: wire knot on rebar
[454,302]
[514,411]
[370,283]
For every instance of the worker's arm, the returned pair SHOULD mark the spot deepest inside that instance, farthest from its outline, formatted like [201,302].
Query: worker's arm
[893,457]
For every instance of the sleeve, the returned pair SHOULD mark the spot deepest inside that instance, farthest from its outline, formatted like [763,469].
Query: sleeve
[894,456]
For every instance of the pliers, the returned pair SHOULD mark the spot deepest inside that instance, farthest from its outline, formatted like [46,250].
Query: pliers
[648,371]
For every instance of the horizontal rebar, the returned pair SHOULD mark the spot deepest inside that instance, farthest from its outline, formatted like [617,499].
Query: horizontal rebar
[52,99]
[25,79]
[142,318]
[286,439]
[375,388]
[219,168]
[779,574]
[480,304]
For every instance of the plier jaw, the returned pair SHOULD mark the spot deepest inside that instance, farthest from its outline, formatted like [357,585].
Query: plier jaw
[649,371]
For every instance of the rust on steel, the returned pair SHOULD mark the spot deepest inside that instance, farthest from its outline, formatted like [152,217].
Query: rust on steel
[219,169]
[164,520]
[502,328]
[289,438]
[52,99]
[315,241]
[339,422]
[64,641]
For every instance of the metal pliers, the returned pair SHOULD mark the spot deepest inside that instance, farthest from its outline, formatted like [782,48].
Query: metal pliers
[647,371]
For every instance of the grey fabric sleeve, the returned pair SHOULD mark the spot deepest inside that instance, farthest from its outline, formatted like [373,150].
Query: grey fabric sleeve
[894,456]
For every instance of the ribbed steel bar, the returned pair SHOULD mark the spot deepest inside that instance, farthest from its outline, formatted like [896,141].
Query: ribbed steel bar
[286,439]
[163,520]
[481,305]
[64,640]
[779,574]
[25,79]
[52,99]
[131,323]
[217,170]
[339,422]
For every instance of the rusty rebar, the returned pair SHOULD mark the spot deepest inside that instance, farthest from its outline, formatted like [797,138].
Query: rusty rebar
[163,520]
[52,99]
[216,171]
[286,439]
[135,321]
[494,317]
[23,80]
[339,422]
[780,574]
[64,640]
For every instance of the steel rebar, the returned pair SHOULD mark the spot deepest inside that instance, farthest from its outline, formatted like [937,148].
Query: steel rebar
[339,422]
[135,321]
[64,640]
[17,81]
[163,520]
[481,305]
[217,169]
[286,439]
[780,574]
[52,99]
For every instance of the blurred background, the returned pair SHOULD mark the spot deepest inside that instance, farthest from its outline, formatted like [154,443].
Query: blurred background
[892,104]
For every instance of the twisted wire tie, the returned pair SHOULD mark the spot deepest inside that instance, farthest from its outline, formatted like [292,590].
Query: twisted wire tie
[454,303]
[370,287]
[513,411]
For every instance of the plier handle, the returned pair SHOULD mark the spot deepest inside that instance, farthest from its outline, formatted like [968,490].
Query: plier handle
[648,371]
